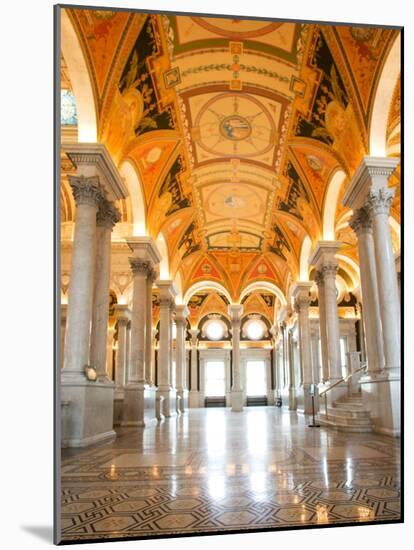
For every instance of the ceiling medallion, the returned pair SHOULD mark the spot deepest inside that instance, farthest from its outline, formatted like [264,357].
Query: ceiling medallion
[235,127]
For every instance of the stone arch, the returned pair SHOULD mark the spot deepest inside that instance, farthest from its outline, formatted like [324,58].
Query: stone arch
[206,285]
[80,80]
[383,97]
[305,252]
[163,250]
[330,204]
[136,197]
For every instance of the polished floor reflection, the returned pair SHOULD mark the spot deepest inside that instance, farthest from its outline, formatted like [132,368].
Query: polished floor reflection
[213,470]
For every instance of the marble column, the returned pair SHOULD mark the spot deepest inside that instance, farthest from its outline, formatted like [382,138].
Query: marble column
[122,316]
[181,313]
[63,311]
[144,259]
[133,413]
[291,371]
[378,204]
[301,295]
[149,338]
[194,397]
[88,195]
[326,265]
[275,360]
[362,225]
[322,326]
[235,312]
[108,215]
[381,389]
[165,392]
[90,402]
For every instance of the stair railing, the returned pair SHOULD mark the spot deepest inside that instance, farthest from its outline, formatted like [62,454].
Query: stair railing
[345,379]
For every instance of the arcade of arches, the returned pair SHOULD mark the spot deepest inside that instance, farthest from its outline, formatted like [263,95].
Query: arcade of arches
[230,260]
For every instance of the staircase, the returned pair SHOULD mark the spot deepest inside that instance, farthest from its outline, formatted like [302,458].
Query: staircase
[348,414]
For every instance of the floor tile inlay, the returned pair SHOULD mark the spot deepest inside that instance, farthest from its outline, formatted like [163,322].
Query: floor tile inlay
[212,470]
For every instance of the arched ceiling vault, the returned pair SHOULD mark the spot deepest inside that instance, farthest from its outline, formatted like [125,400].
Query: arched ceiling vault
[235,129]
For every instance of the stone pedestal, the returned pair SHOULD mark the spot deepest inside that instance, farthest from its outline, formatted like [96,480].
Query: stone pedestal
[90,413]
[237,397]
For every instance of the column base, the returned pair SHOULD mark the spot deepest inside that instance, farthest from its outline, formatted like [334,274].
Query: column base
[119,397]
[87,413]
[182,401]
[166,402]
[304,400]
[237,401]
[381,394]
[293,404]
[193,399]
[134,405]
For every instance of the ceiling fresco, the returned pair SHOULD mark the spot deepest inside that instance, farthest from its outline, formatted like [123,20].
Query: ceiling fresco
[235,128]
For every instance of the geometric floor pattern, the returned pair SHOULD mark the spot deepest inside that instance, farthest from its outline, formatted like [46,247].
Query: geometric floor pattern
[211,470]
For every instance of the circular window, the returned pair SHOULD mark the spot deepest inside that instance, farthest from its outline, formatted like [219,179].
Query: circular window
[255,330]
[214,330]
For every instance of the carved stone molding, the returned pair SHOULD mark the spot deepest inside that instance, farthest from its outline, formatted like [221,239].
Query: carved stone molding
[361,221]
[379,201]
[86,190]
[139,266]
[108,214]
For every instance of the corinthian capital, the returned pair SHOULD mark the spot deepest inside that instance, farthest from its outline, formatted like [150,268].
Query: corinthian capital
[319,279]
[108,214]
[139,266]
[379,201]
[302,303]
[361,221]
[329,270]
[86,190]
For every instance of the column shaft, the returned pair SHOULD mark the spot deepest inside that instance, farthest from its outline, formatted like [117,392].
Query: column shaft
[121,358]
[332,321]
[378,204]
[362,226]
[87,195]
[322,328]
[148,333]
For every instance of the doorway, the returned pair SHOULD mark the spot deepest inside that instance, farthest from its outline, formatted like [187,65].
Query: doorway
[256,383]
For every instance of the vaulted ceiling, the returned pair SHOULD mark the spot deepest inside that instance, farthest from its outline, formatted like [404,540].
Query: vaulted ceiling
[235,128]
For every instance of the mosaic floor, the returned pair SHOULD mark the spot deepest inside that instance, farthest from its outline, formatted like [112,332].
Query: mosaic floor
[212,470]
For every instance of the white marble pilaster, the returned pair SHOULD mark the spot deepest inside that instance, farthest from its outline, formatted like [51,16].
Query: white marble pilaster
[194,397]
[235,312]
[181,313]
